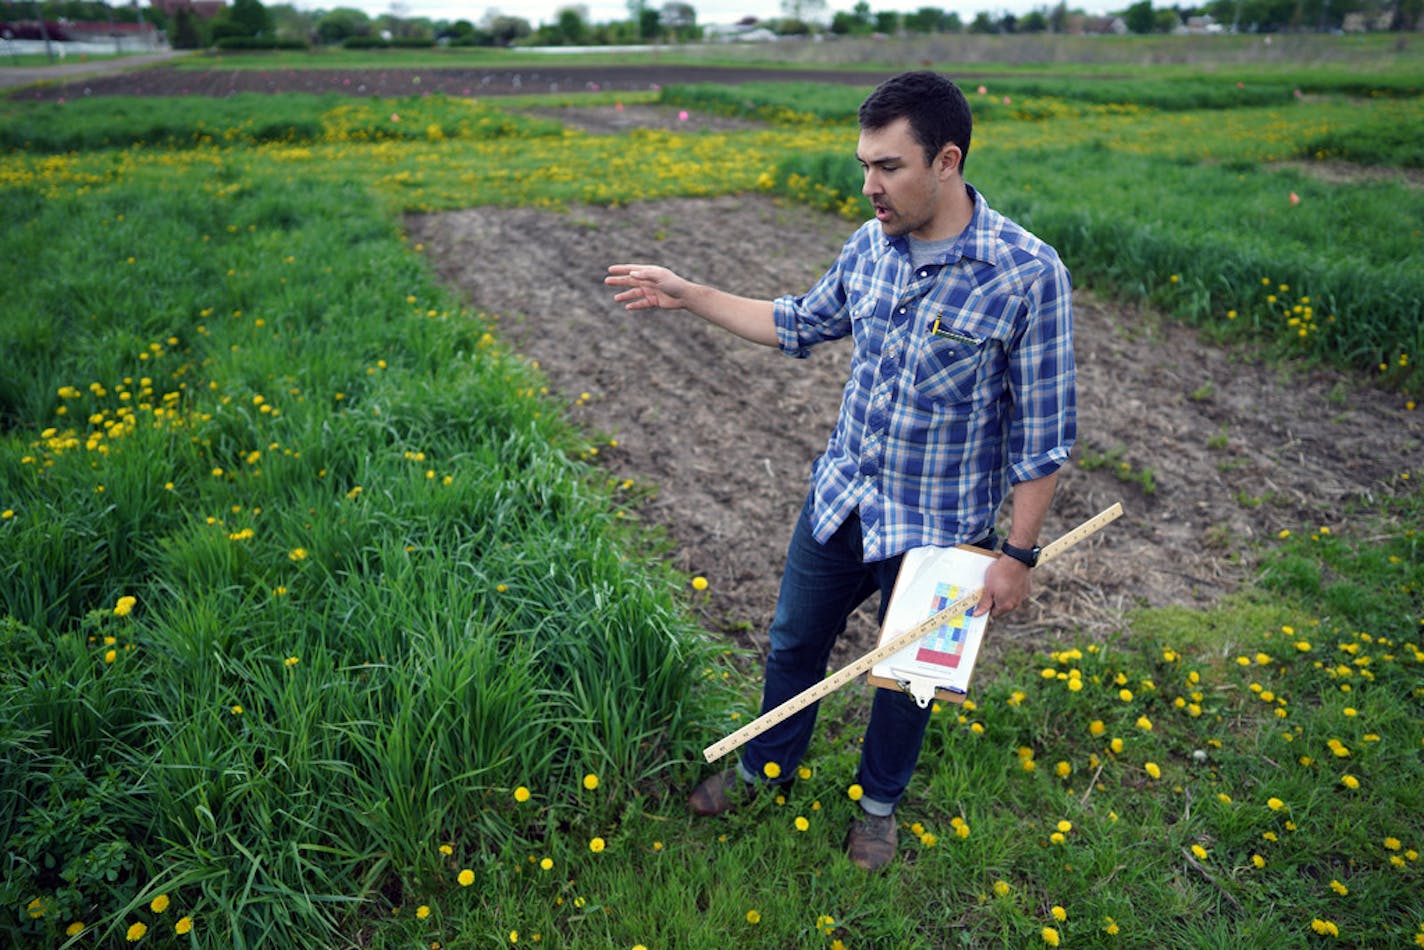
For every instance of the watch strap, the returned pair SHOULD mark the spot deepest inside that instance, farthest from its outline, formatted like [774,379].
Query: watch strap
[1028,556]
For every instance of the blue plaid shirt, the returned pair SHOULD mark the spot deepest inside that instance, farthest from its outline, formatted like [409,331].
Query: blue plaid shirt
[961,381]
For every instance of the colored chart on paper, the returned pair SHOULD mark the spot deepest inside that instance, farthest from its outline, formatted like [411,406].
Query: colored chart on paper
[945,645]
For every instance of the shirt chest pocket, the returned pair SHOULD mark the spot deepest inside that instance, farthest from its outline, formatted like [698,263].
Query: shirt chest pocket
[947,366]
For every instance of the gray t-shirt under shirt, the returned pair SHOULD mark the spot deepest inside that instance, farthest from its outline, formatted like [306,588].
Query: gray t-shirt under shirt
[927,252]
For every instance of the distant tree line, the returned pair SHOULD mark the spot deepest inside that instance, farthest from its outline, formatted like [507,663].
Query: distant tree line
[252,24]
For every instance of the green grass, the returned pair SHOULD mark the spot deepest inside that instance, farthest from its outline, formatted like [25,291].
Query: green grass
[379,586]
[252,119]
[376,587]
[1332,276]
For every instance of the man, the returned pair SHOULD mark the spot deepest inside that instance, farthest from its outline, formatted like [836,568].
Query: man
[961,387]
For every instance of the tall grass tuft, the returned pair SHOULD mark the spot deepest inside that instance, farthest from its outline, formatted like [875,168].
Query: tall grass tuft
[301,576]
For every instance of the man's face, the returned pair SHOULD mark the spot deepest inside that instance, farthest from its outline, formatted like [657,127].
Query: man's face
[903,190]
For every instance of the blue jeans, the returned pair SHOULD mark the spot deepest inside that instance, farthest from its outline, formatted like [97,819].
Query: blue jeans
[821,587]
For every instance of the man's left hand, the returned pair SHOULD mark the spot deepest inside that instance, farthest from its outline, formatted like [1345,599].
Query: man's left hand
[1006,586]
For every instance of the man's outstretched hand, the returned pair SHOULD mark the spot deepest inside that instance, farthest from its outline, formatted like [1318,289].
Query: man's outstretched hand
[649,287]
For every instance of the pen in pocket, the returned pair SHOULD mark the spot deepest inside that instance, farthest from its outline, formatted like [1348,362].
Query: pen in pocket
[955,335]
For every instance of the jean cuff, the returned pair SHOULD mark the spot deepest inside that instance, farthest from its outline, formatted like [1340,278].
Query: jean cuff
[878,809]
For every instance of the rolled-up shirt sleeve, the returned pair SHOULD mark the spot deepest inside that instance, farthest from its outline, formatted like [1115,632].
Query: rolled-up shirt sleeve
[1042,378]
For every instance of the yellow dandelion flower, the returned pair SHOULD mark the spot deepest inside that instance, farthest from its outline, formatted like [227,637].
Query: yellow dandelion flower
[1258,861]
[1200,852]
[855,792]
[297,554]
[1001,888]
[291,661]
[159,904]
[1275,804]
[422,912]
[753,916]
[183,926]
[124,606]
[771,770]
[447,850]
[590,781]
[547,864]
[75,928]
[521,794]
[597,845]
[1153,769]
[235,709]
[136,932]
[1339,888]
[1065,826]
[1392,843]
[1059,914]
[1110,927]
[466,877]
[801,823]
[1050,936]
[699,583]
[1349,781]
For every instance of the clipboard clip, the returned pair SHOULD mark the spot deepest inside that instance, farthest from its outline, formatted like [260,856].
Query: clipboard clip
[921,690]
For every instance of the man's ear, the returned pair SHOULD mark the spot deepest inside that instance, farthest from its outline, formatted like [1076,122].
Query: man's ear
[947,162]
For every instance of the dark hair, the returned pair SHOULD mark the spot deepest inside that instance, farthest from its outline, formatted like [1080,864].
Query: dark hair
[936,108]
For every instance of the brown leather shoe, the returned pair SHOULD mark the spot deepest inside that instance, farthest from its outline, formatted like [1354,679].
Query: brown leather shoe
[872,841]
[720,793]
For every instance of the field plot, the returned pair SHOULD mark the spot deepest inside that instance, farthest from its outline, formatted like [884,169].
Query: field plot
[347,528]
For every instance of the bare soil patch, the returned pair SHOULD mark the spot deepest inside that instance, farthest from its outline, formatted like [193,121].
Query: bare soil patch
[450,81]
[725,431]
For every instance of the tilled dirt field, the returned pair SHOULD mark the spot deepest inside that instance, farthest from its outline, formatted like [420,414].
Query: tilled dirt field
[725,431]
[218,81]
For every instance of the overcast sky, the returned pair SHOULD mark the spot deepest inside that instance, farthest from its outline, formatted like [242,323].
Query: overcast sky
[708,11]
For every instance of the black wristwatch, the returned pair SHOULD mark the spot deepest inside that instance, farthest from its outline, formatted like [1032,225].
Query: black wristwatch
[1029,556]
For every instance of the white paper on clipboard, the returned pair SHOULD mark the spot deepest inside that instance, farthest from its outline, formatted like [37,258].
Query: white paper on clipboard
[940,664]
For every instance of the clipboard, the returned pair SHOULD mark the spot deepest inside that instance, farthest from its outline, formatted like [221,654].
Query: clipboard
[940,664]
